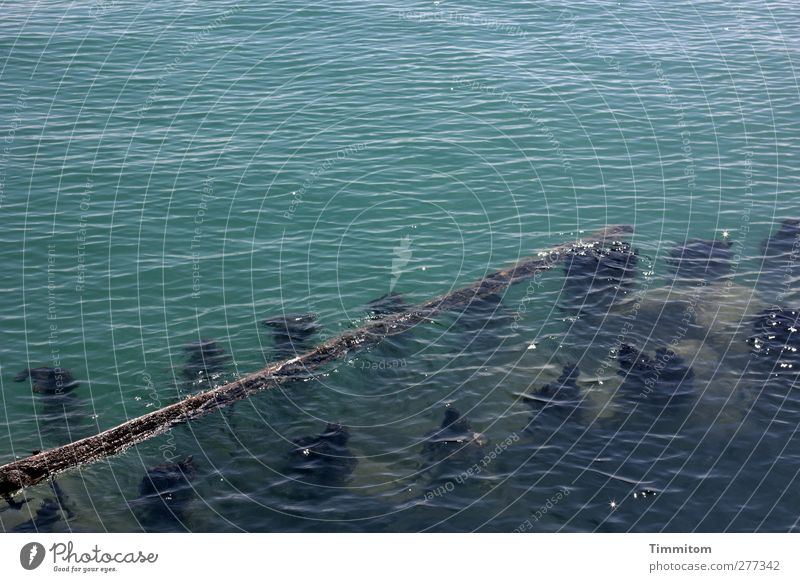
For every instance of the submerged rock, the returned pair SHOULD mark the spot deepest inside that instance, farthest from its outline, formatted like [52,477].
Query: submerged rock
[292,334]
[52,381]
[297,325]
[702,260]
[169,480]
[64,418]
[52,511]
[388,304]
[454,440]
[663,377]
[563,393]
[323,459]
[784,242]
[164,494]
[205,359]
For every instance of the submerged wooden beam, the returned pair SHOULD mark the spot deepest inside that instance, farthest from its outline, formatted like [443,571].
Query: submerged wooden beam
[31,470]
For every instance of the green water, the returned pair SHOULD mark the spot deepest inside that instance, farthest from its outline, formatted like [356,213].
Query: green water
[172,172]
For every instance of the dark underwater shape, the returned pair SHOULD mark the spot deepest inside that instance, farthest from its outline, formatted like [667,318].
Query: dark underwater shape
[702,260]
[481,307]
[563,392]
[63,417]
[785,241]
[779,276]
[483,313]
[292,333]
[776,341]
[453,440]
[324,459]
[294,324]
[204,349]
[48,380]
[164,495]
[205,358]
[171,482]
[662,377]
[598,273]
[388,304]
[52,510]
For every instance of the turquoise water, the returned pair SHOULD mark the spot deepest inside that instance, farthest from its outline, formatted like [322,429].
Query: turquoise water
[177,172]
